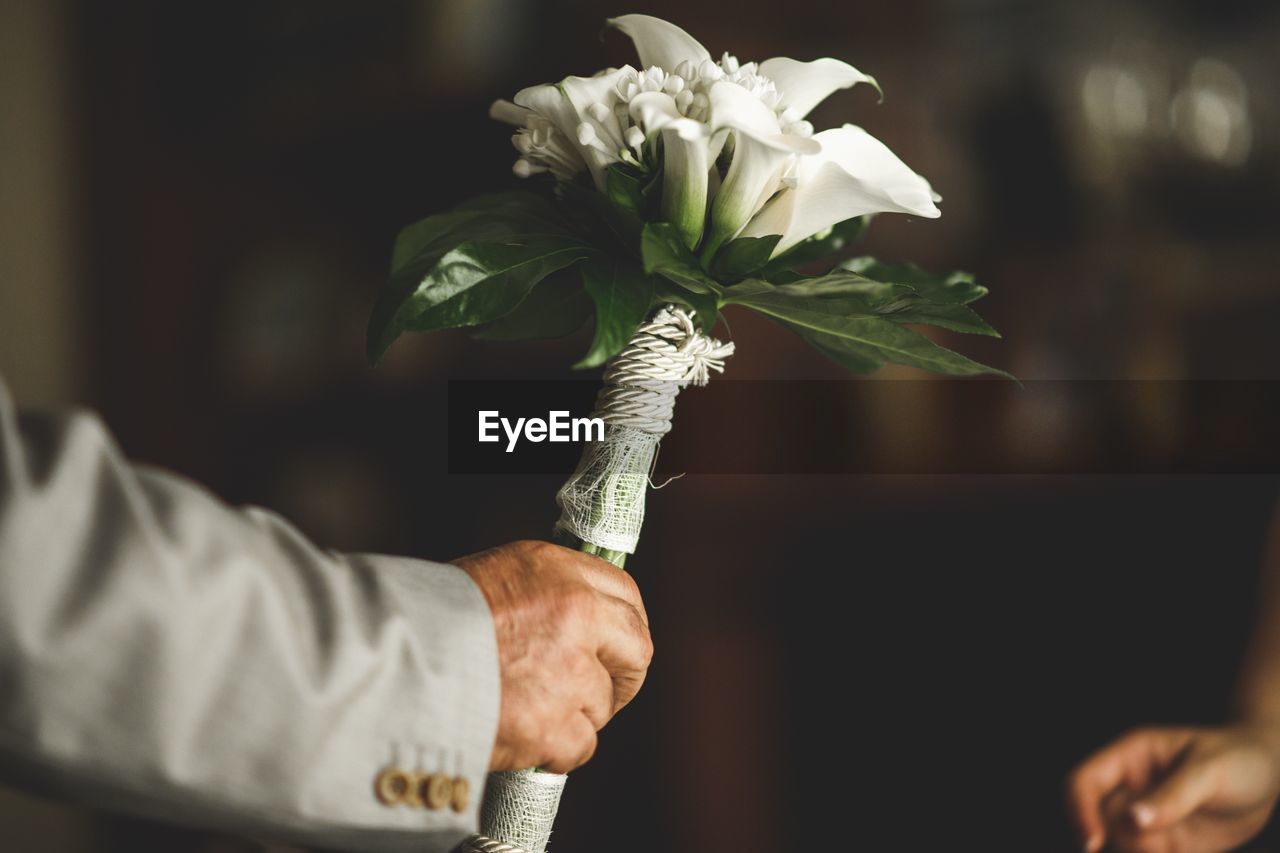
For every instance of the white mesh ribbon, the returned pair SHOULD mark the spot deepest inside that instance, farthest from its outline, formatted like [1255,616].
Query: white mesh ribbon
[603,504]
[519,808]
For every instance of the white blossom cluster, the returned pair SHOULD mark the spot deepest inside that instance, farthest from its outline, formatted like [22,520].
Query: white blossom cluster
[738,156]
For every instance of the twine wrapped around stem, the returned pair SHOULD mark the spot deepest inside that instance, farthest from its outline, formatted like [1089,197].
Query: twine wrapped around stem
[602,507]
[603,502]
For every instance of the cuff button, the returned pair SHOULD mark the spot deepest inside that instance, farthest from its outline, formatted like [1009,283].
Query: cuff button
[461,793]
[435,790]
[392,786]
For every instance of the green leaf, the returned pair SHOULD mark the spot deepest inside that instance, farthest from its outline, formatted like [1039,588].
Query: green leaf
[490,218]
[742,257]
[556,307]
[622,294]
[426,233]
[848,293]
[626,190]
[473,283]
[521,207]
[841,235]
[597,214]
[852,357]
[957,288]
[705,306]
[860,341]
[664,253]
[486,217]
[870,338]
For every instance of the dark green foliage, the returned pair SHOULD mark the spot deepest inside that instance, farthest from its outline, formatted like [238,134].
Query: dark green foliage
[523,266]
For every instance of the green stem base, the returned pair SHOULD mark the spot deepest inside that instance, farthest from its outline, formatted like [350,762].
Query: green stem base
[568,540]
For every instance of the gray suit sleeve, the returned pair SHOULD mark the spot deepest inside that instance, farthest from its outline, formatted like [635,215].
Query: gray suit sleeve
[164,654]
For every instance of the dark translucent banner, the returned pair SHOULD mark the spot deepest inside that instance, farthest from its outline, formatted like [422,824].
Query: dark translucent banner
[890,427]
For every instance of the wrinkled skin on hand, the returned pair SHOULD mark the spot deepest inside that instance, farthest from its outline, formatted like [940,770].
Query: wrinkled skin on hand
[573,649]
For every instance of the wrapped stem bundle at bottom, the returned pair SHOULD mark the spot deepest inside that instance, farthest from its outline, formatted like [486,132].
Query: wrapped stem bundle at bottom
[601,512]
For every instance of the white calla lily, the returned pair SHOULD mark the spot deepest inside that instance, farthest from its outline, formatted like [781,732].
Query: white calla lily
[686,161]
[681,107]
[803,85]
[761,152]
[853,175]
[660,43]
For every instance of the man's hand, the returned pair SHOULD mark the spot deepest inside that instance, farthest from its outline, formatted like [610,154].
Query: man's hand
[1176,790]
[573,648]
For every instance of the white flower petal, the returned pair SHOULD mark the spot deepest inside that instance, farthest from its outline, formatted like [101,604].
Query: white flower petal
[730,105]
[774,217]
[656,111]
[685,161]
[685,170]
[870,160]
[548,102]
[761,155]
[803,85]
[855,174]
[660,43]
[596,89]
[565,106]
[753,176]
[507,112]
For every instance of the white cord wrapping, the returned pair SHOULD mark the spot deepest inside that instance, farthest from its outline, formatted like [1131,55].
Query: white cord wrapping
[481,844]
[603,502]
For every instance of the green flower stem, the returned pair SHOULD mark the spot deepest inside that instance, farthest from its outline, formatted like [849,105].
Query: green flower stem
[618,558]
[708,253]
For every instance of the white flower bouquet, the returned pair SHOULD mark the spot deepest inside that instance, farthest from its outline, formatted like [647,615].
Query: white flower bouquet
[675,189]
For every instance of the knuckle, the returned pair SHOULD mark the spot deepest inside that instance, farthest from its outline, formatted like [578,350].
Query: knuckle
[646,649]
[571,747]
[600,705]
[553,753]
[536,549]
[581,668]
[630,586]
[588,749]
[577,603]
[634,622]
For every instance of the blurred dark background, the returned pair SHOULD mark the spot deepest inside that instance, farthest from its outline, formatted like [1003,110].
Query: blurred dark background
[198,202]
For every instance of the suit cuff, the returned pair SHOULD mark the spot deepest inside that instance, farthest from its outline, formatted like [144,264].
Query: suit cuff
[446,719]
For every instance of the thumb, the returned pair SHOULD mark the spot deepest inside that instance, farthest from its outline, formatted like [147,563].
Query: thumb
[1176,798]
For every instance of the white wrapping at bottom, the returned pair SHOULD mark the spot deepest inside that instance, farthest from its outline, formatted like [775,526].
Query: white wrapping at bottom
[603,502]
[520,806]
